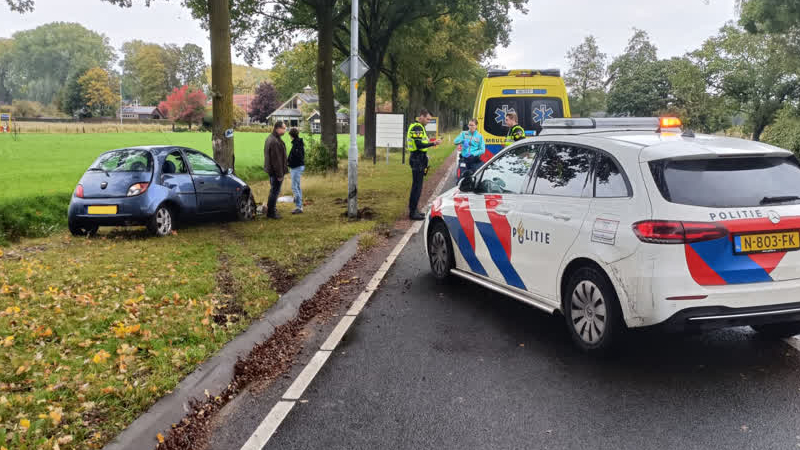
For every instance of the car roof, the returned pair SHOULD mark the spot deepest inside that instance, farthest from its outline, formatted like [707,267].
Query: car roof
[654,145]
[158,149]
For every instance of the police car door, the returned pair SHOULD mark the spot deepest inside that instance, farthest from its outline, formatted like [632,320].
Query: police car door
[496,206]
[552,220]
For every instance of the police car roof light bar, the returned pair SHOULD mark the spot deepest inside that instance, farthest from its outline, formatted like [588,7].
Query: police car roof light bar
[523,72]
[630,123]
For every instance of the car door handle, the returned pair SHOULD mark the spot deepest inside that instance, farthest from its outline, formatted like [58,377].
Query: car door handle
[202,182]
[562,217]
[502,209]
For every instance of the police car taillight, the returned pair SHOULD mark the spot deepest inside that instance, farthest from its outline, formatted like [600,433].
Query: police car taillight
[675,232]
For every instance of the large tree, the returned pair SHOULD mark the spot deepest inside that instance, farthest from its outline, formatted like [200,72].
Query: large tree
[295,68]
[639,81]
[185,105]
[379,21]
[99,91]
[216,15]
[5,57]
[585,77]
[149,71]
[759,72]
[774,16]
[192,66]
[691,100]
[265,102]
[42,59]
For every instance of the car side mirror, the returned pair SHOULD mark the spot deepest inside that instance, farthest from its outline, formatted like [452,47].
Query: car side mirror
[229,171]
[467,183]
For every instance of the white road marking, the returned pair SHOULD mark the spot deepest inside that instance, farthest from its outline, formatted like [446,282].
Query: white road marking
[270,424]
[302,381]
[267,428]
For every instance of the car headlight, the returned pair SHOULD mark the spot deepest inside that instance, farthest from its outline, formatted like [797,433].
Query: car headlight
[137,189]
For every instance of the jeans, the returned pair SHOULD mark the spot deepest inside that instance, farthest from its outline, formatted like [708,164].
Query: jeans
[418,162]
[275,191]
[297,173]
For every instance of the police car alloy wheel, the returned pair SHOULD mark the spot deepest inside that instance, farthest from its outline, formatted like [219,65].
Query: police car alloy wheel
[592,311]
[440,250]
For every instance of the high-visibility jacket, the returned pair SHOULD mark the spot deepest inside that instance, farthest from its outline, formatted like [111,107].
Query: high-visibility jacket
[514,134]
[417,135]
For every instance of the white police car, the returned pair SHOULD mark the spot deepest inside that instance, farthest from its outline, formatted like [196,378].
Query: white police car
[626,223]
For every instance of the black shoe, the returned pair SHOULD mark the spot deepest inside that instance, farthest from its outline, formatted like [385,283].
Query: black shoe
[273,216]
[416,216]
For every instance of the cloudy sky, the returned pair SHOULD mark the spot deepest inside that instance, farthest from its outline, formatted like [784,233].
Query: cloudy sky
[540,39]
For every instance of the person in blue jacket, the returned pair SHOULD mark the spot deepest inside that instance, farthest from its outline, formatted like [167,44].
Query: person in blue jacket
[472,148]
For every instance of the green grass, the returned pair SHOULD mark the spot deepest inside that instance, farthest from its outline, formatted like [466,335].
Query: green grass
[94,331]
[40,171]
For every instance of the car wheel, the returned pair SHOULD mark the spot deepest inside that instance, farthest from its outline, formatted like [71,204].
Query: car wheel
[440,251]
[160,224]
[246,207]
[778,330]
[592,311]
[83,230]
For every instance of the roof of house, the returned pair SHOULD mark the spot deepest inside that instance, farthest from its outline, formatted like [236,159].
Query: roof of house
[286,112]
[342,116]
[140,109]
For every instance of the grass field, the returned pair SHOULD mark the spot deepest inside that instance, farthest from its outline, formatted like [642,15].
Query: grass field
[39,171]
[94,331]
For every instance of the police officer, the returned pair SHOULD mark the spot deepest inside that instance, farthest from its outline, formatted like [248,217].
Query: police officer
[515,132]
[417,144]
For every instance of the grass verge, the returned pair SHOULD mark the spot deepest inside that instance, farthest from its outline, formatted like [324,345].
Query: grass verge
[94,331]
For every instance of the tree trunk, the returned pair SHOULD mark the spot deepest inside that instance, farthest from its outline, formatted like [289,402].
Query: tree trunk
[369,112]
[758,128]
[327,110]
[222,81]
[395,94]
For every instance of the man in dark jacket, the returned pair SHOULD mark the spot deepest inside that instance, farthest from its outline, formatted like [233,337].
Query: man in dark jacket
[275,166]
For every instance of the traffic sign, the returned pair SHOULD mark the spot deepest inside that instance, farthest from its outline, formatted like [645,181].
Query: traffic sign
[362,68]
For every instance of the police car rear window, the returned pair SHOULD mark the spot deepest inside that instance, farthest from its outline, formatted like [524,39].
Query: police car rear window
[729,182]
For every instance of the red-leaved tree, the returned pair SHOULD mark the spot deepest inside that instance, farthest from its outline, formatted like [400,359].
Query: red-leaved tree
[184,105]
[265,102]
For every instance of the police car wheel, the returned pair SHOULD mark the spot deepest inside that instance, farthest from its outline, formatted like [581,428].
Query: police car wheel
[440,251]
[778,330]
[592,311]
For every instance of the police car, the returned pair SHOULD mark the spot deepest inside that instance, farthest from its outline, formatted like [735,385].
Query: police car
[628,223]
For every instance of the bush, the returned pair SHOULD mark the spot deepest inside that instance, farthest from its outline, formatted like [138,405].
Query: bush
[785,131]
[254,128]
[33,216]
[28,109]
[317,157]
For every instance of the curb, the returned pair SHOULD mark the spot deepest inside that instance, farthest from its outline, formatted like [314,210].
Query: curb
[215,374]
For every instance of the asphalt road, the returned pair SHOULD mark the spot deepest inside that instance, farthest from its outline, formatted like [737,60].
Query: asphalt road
[456,366]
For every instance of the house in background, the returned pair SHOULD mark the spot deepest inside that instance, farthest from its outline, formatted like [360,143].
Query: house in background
[136,112]
[290,112]
[342,122]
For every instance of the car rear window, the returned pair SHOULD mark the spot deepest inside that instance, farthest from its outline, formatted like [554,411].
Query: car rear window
[728,182]
[124,161]
[530,110]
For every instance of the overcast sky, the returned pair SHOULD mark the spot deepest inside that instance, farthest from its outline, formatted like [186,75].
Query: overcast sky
[540,39]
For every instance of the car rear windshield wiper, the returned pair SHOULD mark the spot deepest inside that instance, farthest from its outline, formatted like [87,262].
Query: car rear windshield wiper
[781,199]
[97,169]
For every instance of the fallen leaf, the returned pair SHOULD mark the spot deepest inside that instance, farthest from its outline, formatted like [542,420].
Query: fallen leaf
[64,440]
[25,423]
[8,341]
[100,357]
[55,415]
[160,438]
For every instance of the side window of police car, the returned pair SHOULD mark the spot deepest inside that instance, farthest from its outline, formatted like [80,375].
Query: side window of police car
[508,173]
[564,171]
[609,181]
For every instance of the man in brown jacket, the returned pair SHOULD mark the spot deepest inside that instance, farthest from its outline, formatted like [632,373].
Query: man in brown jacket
[276,166]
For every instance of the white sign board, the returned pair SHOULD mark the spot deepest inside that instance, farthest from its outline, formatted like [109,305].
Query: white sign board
[390,132]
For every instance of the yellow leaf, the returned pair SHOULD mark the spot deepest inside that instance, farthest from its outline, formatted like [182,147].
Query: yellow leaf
[22,369]
[55,415]
[108,389]
[100,357]
[25,423]
[8,341]
[160,438]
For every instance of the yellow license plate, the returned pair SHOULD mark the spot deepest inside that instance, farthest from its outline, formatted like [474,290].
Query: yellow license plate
[767,242]
[102,209]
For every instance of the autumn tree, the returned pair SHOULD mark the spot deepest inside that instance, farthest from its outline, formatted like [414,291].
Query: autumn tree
[639,81]
[192,66]
[99,91]
[184,105]
[265,102]
[5,57]
[295,68]
[585,77]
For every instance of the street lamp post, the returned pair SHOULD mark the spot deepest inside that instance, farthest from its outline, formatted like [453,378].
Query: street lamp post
[352,154]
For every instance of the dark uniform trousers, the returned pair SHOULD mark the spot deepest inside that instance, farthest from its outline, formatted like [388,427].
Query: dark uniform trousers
[418,162]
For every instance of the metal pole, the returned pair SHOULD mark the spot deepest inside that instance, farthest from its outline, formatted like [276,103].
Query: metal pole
[120,98]
[352,154]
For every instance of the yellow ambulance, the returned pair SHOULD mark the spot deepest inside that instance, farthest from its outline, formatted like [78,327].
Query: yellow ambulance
[535,95]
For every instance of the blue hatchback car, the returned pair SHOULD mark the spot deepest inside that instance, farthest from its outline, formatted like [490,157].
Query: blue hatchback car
[155,186]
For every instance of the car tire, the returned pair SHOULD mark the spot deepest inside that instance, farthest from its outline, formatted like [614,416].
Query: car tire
[246,207]
[440,251]
[592,312]
[161,222]
[83,230]
[778,330]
